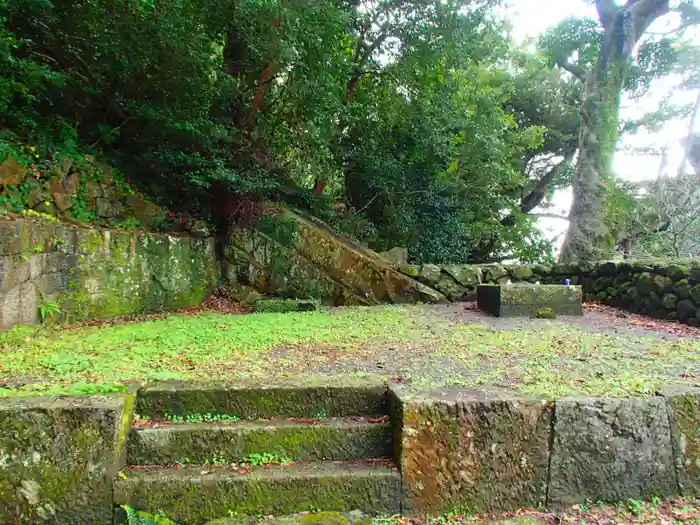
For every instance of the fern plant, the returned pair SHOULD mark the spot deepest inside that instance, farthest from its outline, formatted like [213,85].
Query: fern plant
[48,310]
[135,517]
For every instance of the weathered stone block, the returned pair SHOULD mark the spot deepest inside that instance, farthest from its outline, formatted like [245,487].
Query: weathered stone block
[473,450]
[611,450]
[59,457]
[525,300]
[684,416]
[464,274]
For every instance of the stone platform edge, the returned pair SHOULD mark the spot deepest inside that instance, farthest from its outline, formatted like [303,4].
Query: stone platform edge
[471,450]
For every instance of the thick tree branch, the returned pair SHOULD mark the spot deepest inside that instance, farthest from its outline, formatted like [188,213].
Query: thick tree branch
[571,68]
[606,12]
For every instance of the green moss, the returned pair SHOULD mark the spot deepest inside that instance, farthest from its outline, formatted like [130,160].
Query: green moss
[284,306]
[545,313]
[60,455]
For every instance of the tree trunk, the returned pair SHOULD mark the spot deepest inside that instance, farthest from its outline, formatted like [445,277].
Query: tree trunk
[589,237]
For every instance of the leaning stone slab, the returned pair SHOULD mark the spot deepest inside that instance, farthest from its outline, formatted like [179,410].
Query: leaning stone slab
[58,458]
[611,450]
[684,415]
[473,450]
[516,300]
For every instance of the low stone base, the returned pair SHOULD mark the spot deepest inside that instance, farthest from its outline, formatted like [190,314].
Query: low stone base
[518,300]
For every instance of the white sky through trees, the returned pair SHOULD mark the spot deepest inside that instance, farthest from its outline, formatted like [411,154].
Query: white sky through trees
[530,18]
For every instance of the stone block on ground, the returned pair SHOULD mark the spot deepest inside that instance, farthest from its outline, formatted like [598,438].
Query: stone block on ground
[611,450]
[514,300]
[468,449]
[284,305]
[59,457]
[684,416]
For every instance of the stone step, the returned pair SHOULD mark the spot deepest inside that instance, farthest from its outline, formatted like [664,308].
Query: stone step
[333,399]
[193,495]
[207,443]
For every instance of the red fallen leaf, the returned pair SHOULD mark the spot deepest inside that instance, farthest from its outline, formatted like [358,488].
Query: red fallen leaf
[397,380]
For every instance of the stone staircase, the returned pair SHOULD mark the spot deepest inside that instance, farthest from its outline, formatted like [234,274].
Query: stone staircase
[198,453]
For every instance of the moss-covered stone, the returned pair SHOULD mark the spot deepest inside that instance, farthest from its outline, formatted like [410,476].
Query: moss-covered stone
[95,273]
[359,272]
[524,300]
[58,459]
[669,301]
[332,440]
[285,305]
[352,397]
[194,495]
[545,313]
[430,274]
[473,451]
[610,450]
[411,270]
[686,310]
[464,274]
[450,288]
[677,271]
[682,289]
[684,416]
[310,518]
[522,273]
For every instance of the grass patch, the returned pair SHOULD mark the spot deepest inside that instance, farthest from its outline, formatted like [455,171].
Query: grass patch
[428,349]
[97,359]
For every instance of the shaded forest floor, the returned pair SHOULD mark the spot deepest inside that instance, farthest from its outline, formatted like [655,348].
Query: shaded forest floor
[606,352]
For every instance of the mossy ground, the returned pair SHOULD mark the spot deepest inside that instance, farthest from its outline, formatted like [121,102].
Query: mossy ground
[422,345]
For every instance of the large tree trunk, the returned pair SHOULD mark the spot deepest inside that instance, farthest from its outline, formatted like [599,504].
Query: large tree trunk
[589,237]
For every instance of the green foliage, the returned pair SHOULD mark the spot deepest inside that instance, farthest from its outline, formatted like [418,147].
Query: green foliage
[134,517]
[49,310]
[129,224]
[196,417]
[265,458]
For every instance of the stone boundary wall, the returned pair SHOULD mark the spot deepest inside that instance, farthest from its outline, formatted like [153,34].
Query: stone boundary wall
[664,290]
[98,273]
[457,450]
[480,452]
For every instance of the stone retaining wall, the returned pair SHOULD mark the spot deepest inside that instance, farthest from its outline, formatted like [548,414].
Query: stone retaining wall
[458,450]
[95,273]
[480,452]
[664,290]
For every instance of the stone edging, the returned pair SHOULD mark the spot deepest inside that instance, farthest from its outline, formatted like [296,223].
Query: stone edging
[487,452]
[466,450]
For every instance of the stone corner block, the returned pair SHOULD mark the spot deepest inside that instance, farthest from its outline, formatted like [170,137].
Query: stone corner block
[683,405]
[474,450]
[610,450]
[60,456]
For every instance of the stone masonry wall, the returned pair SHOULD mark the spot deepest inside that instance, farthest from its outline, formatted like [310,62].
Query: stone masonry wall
[664,290]
[483,452]
[95,273]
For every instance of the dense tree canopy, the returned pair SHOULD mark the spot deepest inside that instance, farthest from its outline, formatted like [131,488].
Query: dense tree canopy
[412,123]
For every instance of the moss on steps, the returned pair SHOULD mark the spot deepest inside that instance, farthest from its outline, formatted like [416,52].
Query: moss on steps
[336,440]
[358,397]
[195,495]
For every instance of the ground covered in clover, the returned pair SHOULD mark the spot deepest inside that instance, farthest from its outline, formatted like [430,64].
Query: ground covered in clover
[606,352]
